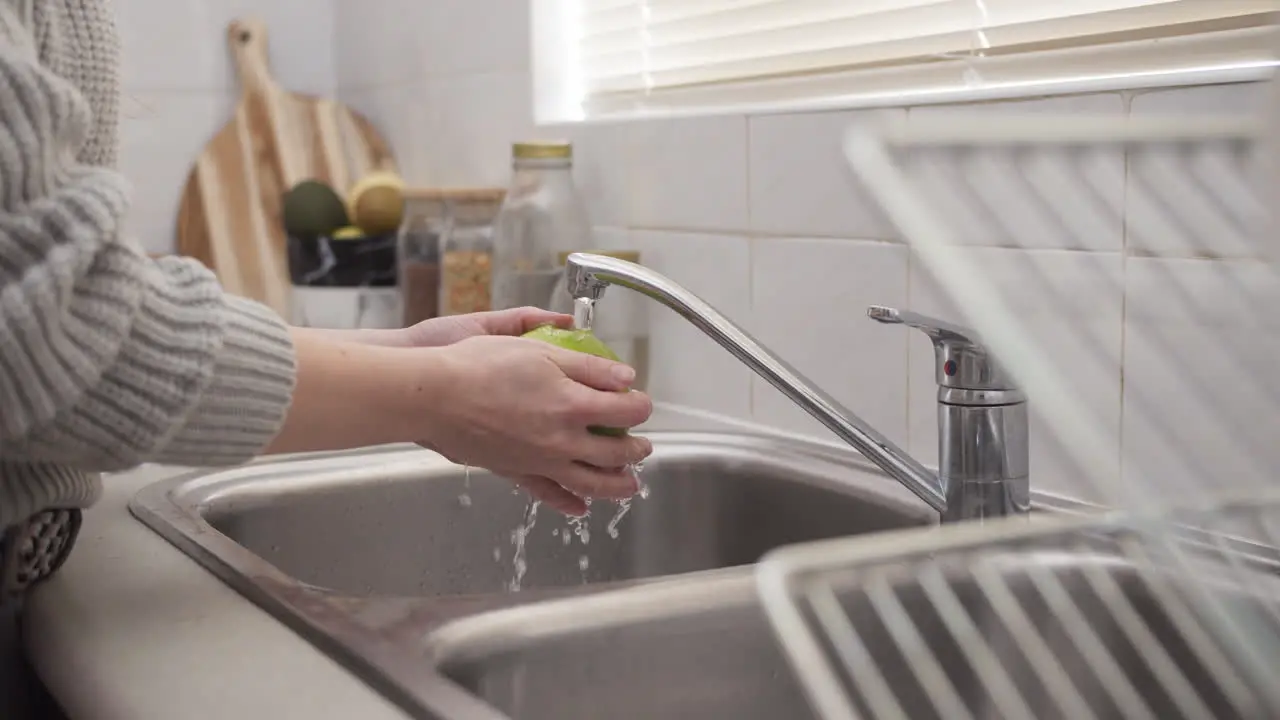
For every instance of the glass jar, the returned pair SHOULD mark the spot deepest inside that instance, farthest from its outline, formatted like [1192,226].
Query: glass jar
[467,249]
[621,316]
[542,214]
[418,257]
[447,250]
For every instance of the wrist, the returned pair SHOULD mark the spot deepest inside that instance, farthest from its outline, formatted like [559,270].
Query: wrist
[419,403]
[351,395]
[383,337]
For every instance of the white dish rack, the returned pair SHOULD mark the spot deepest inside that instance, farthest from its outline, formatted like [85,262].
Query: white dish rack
[1159,610]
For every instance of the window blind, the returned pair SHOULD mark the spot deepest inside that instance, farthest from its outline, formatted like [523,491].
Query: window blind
[636,52]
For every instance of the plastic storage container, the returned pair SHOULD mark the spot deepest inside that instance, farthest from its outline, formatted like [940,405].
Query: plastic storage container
[542,214]
[347,283]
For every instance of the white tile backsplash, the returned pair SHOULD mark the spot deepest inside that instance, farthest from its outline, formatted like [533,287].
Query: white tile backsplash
[688,173]
[801,184]
[1069,306]
[1069,199]
[762,217]
[1195,203]
[181,45]
[809,303]
[1200,387]
[686,366]
[1066,199]
[380,43]
[471,122]
[473,36]
[160,136]
[600,153]
[400,112]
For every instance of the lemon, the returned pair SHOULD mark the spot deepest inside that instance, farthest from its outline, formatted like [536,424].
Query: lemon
[348,233]
[583,341]
[376,202]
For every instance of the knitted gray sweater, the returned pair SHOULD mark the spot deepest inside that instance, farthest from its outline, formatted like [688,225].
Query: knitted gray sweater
[107,358]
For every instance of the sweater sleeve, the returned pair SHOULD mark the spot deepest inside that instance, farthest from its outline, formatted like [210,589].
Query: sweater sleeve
[108,358]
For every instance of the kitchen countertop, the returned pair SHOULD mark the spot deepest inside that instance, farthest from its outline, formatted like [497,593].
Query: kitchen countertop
[132,629]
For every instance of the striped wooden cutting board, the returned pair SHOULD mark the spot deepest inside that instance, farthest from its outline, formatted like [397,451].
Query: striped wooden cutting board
[230,217]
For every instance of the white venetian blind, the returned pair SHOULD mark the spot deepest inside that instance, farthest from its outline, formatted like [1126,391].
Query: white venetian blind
[631,51]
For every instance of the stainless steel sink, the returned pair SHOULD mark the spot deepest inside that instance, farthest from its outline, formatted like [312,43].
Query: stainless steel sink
[630,655]
[407,526]
[702,649]
[367,553]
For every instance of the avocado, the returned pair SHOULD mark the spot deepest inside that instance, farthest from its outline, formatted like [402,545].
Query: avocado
[312,209]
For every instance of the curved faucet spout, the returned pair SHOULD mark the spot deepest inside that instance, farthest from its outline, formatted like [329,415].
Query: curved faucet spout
[588,275]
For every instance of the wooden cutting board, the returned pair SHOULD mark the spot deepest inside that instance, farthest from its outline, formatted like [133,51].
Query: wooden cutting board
[230,217]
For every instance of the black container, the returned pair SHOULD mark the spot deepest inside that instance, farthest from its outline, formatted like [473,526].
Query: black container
[325,262]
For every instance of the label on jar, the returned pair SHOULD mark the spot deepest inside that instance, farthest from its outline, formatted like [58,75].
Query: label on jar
[465,278]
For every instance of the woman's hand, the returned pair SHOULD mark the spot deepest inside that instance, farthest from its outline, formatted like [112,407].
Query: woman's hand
[517,407]
[441,331]
[521,408]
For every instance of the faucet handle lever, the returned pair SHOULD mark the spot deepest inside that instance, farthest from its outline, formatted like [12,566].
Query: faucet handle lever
[962,361]
[939,331]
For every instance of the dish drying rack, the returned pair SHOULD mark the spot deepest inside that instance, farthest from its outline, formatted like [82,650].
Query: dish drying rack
[1168,607]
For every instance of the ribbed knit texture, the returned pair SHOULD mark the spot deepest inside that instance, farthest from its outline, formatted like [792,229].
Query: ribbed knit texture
[107,358]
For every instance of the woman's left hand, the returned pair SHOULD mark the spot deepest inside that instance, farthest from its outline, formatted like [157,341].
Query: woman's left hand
[441,331]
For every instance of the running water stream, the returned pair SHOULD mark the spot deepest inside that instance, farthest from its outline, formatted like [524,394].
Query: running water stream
[576,527]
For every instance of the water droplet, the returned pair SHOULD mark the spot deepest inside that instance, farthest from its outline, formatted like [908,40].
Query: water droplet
[583,563]
[464,498]
[518,537]
[624,506]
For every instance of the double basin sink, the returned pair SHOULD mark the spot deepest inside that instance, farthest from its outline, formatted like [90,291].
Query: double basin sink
[445,591]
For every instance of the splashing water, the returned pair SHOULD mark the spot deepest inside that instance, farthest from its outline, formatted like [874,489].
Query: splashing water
[577,527]
[581,526]
[624,506]
[464,499]
[518,537]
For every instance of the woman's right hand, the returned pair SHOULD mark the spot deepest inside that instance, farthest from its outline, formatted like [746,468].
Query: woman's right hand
[521,408]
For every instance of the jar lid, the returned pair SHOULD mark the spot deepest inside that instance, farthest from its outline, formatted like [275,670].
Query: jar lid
[632,256]
[542,150]
[465,195]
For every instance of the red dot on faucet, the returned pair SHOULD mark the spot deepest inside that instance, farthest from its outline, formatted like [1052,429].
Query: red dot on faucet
[949,367]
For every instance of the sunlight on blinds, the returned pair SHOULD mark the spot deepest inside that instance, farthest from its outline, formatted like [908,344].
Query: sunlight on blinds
[630,50]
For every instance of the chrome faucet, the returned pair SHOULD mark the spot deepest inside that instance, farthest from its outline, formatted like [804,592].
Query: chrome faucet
[982,416]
